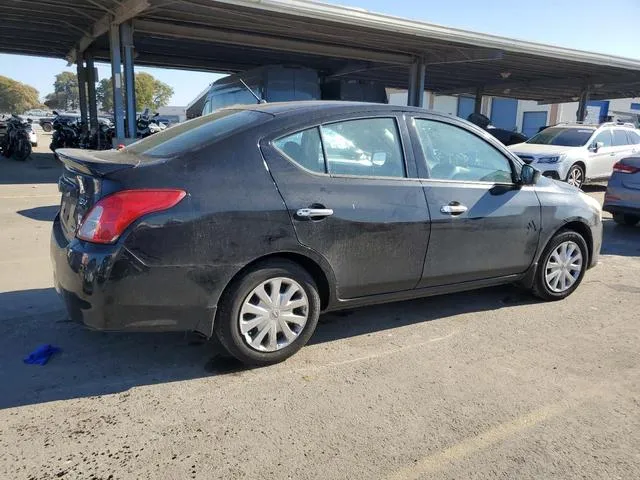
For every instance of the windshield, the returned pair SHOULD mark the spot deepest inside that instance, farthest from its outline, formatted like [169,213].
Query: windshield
[195,134]
[565,137]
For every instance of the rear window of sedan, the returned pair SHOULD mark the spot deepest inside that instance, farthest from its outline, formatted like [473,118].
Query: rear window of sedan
[195,134]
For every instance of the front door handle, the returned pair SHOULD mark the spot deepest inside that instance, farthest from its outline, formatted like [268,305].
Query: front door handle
[455,209]
[314,212]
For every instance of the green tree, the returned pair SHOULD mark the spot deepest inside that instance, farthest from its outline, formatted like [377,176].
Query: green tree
[104,94]
[65,92]
[150,92]
[16,97]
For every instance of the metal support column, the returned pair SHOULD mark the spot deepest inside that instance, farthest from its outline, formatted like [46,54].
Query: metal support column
[477,105]
[90,76]
[126,37]
[415,93]
[82,92]
[116,79]
[581,114]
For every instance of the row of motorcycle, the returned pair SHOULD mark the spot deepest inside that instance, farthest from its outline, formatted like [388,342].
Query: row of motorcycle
[68,132]
[14,138]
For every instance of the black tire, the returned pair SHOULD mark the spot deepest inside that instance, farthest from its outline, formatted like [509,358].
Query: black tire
[226,323]
[47,127]
[626,219]
[577,171]
[540,288]
[23,151]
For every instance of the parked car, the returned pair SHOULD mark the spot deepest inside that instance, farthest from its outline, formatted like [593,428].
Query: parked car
[250,221]
[506,137]
[622,199]
[577,153]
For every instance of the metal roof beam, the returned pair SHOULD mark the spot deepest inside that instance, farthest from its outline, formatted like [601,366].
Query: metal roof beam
[269,42]
[123,11]
[578,82]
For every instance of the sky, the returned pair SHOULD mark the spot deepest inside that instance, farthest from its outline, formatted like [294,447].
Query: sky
[592,25]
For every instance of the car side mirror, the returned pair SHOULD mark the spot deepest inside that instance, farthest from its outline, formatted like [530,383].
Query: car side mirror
[379,158]
[597,146]
[529,175]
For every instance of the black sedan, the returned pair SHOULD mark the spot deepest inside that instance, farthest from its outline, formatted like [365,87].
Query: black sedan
[250,221]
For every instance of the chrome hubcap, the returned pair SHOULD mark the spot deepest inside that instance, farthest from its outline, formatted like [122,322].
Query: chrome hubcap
[274,314]
[563,267]
[575,177]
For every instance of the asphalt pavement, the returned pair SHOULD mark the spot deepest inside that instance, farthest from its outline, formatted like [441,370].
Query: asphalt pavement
[485,384]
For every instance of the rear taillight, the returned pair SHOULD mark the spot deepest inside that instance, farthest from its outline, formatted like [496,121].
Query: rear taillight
[623,168]
[108,218]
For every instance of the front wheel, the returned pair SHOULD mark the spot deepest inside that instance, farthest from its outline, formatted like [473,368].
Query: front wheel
[625,219]
[47,127]
[269,313]
[575,176]
[23,151]
[562,266]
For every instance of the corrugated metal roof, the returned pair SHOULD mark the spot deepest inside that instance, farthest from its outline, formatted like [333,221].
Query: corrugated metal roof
[235,35]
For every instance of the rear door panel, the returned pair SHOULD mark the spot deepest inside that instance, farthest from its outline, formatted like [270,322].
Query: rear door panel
[377,237]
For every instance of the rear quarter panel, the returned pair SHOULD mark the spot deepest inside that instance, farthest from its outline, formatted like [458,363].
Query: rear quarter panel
[233,214]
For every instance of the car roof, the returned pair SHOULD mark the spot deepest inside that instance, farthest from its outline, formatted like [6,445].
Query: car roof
[328,106]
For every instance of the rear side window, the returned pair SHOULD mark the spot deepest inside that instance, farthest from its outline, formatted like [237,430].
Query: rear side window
[619,137]
[304,148]
[195,134]
[634,137]
[366,147]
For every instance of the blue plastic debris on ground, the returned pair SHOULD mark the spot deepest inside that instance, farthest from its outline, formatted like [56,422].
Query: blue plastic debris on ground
[41,355]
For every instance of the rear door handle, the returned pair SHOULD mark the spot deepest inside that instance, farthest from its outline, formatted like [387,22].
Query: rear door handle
[453,209]
[314,212]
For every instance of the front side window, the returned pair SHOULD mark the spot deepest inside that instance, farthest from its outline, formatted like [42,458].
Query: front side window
[453,153]
[367,147]
[564,137]
[619,137]
[604,137]
[304,148]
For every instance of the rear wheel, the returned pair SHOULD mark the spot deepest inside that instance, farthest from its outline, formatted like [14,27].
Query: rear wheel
[47,127]
[269,313]
[561,267]
[575,176]
[626,219]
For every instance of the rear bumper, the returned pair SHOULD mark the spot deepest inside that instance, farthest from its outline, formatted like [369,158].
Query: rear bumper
[620,199]
[107,288]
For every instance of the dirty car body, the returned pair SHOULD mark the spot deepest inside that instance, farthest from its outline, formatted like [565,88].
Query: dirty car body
[394,231]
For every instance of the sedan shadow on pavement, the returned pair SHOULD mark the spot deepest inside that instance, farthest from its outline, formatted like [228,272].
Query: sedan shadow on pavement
[97,363]
[45,214]
[38,168]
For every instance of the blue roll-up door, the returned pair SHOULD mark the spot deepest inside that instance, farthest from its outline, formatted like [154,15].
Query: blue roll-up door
[466,105]
[532,121]
[504,112]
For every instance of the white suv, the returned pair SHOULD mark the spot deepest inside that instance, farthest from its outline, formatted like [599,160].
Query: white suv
[578,153]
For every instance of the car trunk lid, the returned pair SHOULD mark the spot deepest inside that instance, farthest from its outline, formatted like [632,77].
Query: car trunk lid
[631,180]
[85,179]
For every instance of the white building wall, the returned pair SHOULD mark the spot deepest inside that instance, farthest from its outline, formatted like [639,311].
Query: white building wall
[445,104]
[173,110]
[400,98]
[530,106]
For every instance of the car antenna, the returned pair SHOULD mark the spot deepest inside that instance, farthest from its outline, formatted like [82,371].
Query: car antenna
[259,100]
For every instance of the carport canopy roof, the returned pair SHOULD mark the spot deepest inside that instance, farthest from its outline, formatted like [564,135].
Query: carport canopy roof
[347,43]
